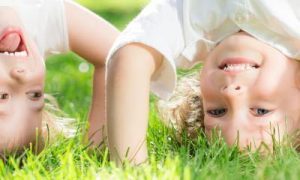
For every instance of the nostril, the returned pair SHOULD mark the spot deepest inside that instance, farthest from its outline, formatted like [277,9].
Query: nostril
[20,70]
[18,73]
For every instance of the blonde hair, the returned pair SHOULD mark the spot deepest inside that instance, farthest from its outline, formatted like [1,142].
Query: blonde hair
[54,121]
[184,110]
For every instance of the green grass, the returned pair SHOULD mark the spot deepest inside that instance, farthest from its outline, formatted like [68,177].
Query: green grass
[119,12]
[199,159]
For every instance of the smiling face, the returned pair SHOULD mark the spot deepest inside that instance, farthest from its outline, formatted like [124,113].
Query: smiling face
[22,72]
[249,90]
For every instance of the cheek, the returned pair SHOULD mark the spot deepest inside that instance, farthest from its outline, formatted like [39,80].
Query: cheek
[275,76]
[209,90]
[38,65]
[266,84]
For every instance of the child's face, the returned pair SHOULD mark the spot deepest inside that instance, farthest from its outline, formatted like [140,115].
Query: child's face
[249,91]
[22,72]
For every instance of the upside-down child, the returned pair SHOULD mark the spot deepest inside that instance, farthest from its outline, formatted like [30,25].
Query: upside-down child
[30,30]
[249,80]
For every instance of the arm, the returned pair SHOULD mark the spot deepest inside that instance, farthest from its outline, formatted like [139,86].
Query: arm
[128,82]
[91,37]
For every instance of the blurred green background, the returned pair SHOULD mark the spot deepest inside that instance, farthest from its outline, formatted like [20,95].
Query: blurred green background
[118,12]
[69,77]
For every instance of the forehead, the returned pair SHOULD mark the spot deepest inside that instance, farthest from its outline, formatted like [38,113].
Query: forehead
[18,129]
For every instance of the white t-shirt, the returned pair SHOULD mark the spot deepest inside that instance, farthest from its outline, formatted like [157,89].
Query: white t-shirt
[184,31]
[45,22]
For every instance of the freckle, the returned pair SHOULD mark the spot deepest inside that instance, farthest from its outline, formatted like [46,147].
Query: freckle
[238,88]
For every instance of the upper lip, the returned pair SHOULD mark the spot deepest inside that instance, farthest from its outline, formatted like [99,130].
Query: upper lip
[238,60]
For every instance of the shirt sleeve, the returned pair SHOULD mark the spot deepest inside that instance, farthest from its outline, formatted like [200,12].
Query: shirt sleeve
[55,33]
[159,26]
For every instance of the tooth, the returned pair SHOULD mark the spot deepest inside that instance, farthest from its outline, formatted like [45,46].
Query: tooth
[18,54]
[6,53]
[237,67]
[23,53]
[248,67]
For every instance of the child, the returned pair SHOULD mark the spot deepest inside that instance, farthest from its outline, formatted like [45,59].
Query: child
[30,30]
[247,49]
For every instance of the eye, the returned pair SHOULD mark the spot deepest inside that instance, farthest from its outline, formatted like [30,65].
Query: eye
[260,111]
[35,95]
[4,96]
[217,112]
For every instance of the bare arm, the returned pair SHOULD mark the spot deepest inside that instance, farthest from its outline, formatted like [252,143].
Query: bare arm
[91,37]
[128,84]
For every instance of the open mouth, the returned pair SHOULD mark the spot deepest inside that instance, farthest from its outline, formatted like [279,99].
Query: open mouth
[238,65]
[12,43]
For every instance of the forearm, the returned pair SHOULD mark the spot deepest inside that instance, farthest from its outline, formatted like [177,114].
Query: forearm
[128,103]
[91,37]
[97,120]
[127,111]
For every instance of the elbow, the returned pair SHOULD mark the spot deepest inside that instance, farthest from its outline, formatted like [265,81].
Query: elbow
[116,66]
[135,60]
[99,64]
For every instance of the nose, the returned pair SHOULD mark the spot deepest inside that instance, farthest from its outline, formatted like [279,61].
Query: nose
[18,74]
[233,90]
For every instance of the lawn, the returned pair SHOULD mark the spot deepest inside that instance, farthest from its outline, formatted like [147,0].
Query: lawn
[199,159]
